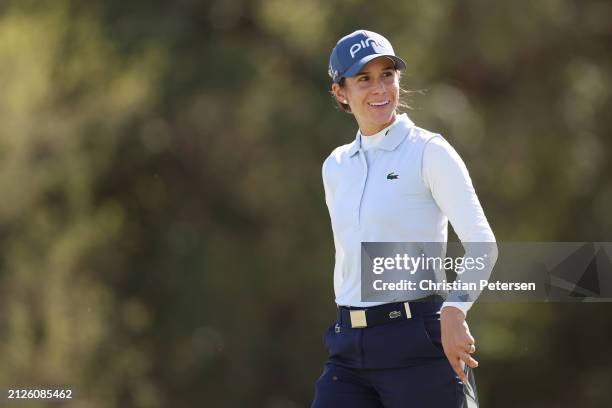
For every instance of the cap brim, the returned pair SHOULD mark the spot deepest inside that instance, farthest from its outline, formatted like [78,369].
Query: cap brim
[358,66]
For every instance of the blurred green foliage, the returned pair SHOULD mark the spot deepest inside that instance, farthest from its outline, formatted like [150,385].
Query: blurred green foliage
[163,235]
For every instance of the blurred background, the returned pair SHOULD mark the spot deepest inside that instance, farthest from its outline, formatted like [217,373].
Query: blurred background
[164,240]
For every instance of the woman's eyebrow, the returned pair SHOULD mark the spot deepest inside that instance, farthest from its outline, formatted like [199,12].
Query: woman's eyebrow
[389,68]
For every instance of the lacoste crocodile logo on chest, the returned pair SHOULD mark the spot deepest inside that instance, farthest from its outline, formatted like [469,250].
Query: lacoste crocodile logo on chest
[392,176]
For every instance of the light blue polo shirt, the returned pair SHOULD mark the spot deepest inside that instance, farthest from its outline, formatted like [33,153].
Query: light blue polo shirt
[405,188]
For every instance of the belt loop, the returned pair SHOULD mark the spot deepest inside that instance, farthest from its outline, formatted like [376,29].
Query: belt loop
[407,308]
[338,325]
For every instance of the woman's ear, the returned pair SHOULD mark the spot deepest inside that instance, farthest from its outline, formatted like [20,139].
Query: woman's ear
[339,94]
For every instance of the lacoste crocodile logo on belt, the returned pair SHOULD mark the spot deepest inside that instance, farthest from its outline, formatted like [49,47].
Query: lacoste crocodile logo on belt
[392,176]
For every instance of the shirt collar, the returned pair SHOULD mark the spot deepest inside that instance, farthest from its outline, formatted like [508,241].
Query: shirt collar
[397,134]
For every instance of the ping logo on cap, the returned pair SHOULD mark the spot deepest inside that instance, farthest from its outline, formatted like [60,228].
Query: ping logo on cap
[362,44]
[352,52]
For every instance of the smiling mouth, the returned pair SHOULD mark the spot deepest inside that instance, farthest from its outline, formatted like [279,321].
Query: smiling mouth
[379,104]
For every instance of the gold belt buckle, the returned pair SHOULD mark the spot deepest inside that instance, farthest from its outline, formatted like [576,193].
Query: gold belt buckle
[358,319]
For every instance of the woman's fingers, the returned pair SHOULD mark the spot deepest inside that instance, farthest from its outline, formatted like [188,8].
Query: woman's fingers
[457,341]
[469,360]
[456,365]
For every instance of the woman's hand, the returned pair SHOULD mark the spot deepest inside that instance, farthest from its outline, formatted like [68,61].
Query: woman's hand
[457,341]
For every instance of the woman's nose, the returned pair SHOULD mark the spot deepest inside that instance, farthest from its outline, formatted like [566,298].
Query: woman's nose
[380,86]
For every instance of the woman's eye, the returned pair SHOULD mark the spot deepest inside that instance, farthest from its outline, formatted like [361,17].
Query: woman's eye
[363,78]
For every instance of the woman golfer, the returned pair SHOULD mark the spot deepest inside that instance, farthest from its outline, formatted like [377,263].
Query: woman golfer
[395,182]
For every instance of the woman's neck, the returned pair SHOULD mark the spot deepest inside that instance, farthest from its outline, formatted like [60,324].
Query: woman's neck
[374,129]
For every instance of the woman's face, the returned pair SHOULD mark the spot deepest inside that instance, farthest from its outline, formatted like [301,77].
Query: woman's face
[372,94]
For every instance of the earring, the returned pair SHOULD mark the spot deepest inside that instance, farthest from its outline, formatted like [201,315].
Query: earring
[345,101]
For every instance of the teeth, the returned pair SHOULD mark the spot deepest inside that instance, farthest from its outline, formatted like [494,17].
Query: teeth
[378,103]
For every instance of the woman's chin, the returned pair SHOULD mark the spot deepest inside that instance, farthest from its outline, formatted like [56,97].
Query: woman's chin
[382,118]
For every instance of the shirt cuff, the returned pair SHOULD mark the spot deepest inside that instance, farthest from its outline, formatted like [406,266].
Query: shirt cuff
[463,306]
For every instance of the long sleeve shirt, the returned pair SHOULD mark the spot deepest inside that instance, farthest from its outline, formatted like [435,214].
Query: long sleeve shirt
[403,185]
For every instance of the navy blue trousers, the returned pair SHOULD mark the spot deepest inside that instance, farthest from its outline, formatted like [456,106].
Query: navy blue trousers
[394,365]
